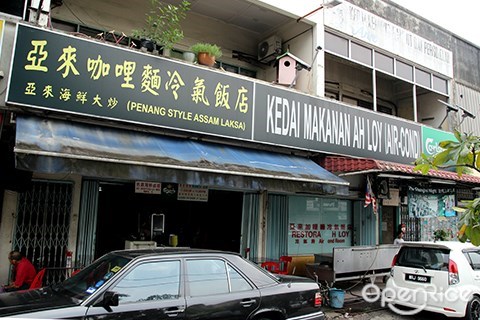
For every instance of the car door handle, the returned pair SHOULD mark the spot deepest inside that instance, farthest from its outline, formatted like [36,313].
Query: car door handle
[174,311]
[248,303]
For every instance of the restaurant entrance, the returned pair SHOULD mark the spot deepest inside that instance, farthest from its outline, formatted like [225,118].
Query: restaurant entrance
[126,215]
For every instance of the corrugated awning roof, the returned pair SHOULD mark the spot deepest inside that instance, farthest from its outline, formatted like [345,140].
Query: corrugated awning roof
[339,164]
[56,139]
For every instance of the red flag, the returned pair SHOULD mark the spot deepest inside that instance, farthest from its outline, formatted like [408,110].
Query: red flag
[370,196]
[368,193]
[374,205]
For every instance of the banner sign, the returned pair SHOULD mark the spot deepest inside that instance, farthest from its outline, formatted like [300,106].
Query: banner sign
[55,71]
[431,202]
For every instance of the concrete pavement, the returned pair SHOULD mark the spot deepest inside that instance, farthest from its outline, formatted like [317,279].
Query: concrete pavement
[357,308]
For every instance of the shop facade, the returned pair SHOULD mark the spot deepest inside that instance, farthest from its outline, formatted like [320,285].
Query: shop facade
[105,137]
[206,191]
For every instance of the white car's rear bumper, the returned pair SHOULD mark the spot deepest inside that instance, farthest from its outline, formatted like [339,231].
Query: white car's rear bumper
[451,302]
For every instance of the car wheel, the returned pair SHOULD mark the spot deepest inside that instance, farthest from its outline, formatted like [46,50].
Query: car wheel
[473,309]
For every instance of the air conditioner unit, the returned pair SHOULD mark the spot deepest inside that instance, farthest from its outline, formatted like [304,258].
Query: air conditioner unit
[383,188]
[269,48]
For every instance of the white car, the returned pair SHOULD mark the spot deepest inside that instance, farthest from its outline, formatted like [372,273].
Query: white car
[441,277]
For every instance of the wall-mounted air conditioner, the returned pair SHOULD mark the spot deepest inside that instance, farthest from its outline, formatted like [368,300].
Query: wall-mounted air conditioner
[269,48]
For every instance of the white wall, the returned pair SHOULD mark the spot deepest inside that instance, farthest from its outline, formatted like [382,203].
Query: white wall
[6,52]
[314,81]
[128,16]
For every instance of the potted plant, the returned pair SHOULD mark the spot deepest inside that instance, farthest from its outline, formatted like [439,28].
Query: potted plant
[440,235]
[206,53]
[162,25]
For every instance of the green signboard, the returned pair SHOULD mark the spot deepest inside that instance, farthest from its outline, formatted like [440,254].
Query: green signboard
[431,139]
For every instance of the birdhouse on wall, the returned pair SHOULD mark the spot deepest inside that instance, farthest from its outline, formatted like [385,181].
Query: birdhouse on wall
[288,66]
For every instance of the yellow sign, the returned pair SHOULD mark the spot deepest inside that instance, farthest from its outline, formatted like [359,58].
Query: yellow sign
[2,24]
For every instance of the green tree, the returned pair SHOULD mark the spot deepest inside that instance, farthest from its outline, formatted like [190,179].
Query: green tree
[463,155]
[163,23]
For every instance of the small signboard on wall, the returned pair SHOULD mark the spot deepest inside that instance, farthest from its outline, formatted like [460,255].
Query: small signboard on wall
[148,187]
[188,192]
[431,202]
[317,225]
[394,199]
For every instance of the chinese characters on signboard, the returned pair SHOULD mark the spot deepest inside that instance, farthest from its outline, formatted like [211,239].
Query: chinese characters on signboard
[185,192]
[317,225]
[148,187]
[188,192]
[313,233]
[67,74]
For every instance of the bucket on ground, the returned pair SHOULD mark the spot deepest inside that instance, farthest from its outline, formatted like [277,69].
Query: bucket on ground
[337,297]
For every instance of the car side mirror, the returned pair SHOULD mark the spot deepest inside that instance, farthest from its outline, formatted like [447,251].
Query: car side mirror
[110,299]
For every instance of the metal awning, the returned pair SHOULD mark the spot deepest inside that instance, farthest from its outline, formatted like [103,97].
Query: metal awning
[53,146]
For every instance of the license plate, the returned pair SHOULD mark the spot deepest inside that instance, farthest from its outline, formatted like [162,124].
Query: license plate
[417,278]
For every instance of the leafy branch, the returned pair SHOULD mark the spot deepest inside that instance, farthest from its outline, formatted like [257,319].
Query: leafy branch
[163,23]
[463,155]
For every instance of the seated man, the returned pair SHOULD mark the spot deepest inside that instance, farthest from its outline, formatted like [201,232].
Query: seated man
[24,272]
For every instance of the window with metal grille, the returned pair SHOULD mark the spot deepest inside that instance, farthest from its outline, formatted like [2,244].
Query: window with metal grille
[412,224]
[42,226]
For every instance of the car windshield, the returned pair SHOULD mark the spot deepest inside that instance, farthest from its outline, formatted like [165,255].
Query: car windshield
[423,257]
[92,277]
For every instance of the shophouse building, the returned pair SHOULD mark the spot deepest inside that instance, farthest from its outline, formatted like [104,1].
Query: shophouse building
[270,152]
